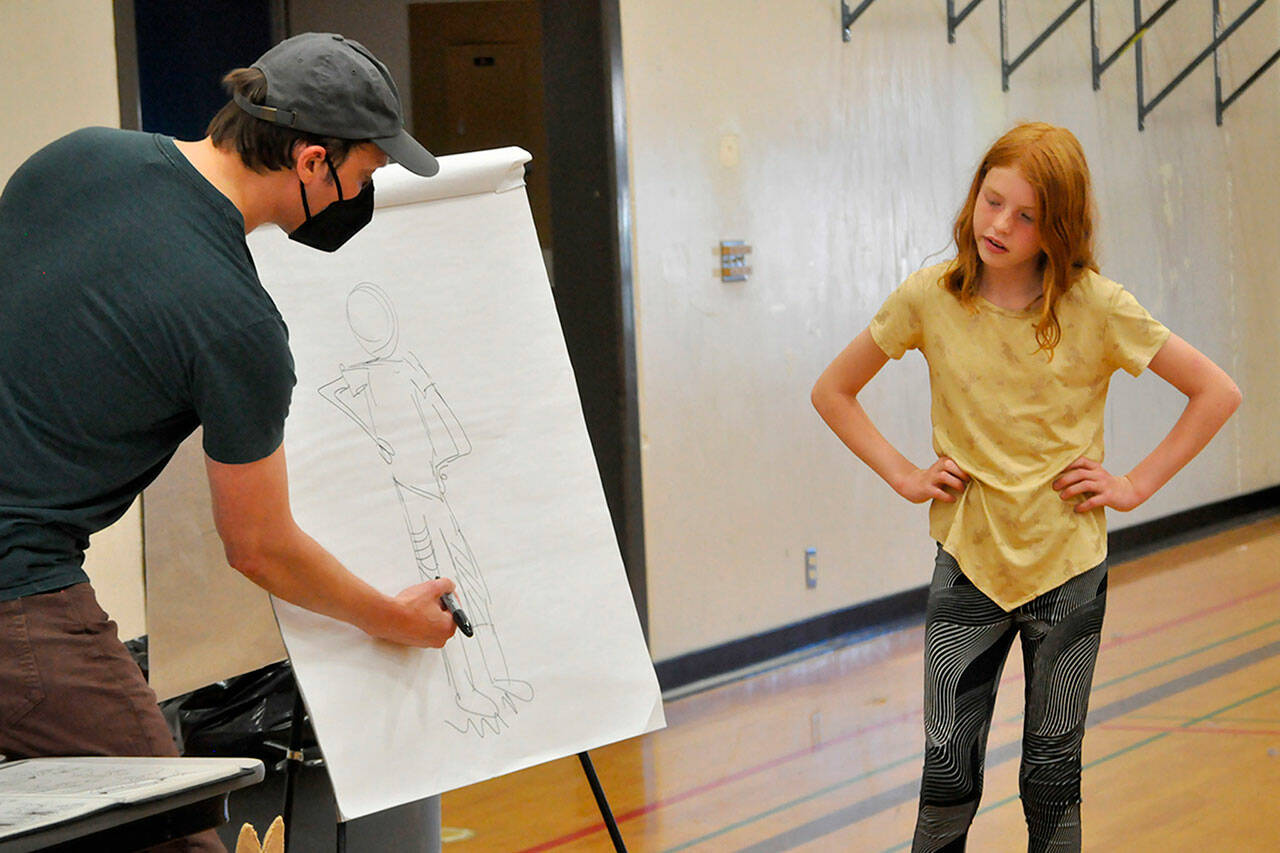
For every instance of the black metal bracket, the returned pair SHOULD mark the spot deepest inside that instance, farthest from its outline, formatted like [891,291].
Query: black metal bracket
[1145,107]
[848,16]
[1099,66]
[1007,67]
[1141,26]
[1220,103]
[954,20]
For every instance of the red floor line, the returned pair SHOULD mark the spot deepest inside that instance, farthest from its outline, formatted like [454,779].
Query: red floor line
[755,769]
[565,839]
[719,783]
[1164,626]
[1226,605]
[760,768]
[1167,718]
[1121,727]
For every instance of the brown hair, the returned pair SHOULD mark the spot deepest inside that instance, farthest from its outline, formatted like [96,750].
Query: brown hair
[1051,160]
[264,146]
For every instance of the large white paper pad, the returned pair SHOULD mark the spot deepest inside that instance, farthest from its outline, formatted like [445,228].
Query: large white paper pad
[435,430]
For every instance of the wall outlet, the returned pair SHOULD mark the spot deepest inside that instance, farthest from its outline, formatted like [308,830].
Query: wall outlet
[810,568]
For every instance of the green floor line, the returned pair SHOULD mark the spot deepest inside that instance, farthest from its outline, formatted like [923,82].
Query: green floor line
[1186,655]
[1186,724]
[1130,748]
[1169,661]
[1178,718]
[821,792]
[919,755]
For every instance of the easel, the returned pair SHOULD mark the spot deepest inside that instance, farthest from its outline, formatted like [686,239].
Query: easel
[294,760]
[601,802]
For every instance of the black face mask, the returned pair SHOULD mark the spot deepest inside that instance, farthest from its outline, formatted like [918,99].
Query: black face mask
[338,222]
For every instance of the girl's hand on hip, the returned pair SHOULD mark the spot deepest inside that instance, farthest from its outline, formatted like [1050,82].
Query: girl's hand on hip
[932,483]
[1101,488]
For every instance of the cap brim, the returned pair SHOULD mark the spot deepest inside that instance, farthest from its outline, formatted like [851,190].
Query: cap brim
[408,152]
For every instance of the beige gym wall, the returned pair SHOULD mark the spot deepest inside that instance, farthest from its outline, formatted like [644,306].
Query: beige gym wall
[843,165]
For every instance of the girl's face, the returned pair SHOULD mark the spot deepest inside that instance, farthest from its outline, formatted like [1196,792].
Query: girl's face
[1004,222]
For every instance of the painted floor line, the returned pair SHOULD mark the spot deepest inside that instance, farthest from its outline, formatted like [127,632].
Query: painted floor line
[1186,655]
[648,808]
[1181,718]
[1168,661]
[889,798]
[1125,751]
[745,773]
[1116,727]
[1125,639]
[1097,716]
[834,821]
[1190,617]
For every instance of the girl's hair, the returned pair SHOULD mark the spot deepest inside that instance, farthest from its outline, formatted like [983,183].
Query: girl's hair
[1052,161]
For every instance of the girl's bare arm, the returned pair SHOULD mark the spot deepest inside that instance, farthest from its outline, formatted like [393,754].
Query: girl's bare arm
[1211,398]
[835,396]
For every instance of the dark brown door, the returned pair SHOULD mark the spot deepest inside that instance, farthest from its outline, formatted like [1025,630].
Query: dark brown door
[477,83]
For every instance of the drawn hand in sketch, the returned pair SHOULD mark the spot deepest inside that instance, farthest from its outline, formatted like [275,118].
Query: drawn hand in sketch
[397,404]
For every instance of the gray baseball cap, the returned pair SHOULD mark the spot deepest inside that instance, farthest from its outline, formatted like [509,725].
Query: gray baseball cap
[326,84]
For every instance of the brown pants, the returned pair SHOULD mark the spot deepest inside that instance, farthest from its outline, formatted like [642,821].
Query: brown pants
[68,686]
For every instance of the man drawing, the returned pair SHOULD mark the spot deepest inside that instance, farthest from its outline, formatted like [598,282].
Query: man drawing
[131,313]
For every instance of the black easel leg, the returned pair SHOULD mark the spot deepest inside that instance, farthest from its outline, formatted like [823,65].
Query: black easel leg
[293,760]
[342,836]
[601,802]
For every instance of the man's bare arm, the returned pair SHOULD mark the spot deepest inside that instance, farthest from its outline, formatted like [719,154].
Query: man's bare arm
[262,541]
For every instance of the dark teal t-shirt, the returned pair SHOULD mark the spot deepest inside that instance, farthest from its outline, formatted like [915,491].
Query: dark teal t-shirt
[130,313]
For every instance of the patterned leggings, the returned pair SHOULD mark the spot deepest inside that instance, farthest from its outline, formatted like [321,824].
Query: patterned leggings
[967,638]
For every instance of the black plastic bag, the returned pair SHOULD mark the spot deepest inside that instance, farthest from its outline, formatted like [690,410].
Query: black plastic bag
[248,715]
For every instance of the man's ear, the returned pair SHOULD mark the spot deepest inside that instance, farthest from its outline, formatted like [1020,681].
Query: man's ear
[308,162]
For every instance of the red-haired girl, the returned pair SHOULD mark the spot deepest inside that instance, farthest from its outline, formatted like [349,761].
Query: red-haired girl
[1021,335]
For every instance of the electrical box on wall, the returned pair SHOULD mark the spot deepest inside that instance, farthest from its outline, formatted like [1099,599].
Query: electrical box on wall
[733,260]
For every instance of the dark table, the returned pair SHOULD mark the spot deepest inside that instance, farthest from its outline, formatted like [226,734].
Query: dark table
[107,805]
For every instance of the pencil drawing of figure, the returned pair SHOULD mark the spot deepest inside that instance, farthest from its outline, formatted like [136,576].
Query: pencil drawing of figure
[397,404]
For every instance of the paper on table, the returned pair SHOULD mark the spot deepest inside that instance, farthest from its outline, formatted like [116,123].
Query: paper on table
[45,791]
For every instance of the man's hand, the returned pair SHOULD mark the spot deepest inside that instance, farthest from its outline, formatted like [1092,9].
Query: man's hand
[932,483]
[1087,477]
[263,542]
[427,622]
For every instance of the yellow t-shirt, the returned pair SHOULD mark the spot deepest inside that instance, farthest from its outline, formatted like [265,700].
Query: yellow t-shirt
[1013,420]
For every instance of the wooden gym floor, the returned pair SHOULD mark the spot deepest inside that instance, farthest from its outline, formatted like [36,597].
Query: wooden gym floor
[1182,751]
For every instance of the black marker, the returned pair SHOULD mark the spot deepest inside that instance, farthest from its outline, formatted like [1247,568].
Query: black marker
[459,618]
